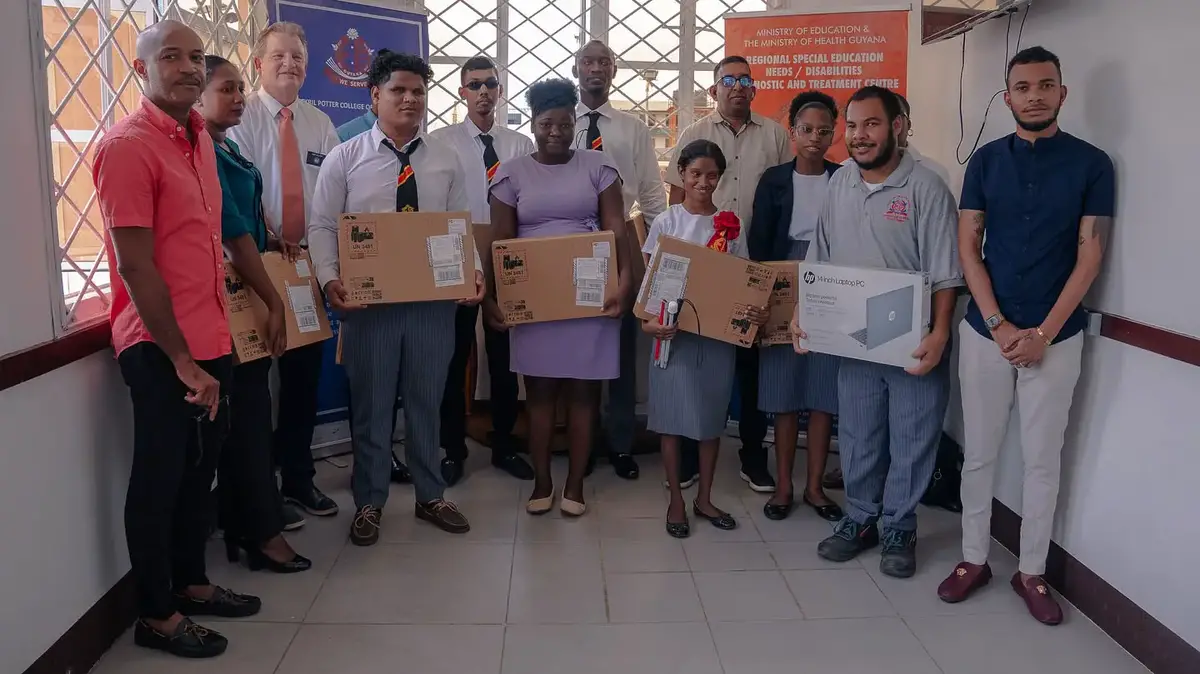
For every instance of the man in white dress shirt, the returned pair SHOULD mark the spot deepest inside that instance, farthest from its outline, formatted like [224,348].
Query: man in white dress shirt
[626,140]
[287,139]
[481,145]
[386,345]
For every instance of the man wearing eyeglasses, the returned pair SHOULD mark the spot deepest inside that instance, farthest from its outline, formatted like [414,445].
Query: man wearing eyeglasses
[481,145]
[751,144]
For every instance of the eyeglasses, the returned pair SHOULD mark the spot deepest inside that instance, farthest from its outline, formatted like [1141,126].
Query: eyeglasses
[729,80]
[490,83]
[806,130]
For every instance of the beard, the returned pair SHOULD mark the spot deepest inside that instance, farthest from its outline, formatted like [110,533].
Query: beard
[885,156]
[1039,126]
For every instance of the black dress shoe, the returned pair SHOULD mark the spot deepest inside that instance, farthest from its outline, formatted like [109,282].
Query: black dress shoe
[400,472]
[258,560]
[452,471]
[313,502]
[830,512]
[189,640]
[722,520]
[624,466]
[222,604]
[778,511]
[513,465]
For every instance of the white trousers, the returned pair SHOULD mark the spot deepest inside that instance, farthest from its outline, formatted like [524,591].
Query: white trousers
[990,386]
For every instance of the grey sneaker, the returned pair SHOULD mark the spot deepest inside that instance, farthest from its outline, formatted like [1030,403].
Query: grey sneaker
[899,558]
[849,539]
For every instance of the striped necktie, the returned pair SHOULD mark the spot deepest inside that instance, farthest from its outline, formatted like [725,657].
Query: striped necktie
[594,140]
[491,160]
[406,180]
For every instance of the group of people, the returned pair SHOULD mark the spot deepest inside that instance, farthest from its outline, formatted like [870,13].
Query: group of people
[204,172]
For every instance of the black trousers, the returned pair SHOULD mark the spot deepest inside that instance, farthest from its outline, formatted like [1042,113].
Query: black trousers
[503,394]
[168,506]
[752,424]
[249,504]
[299,376]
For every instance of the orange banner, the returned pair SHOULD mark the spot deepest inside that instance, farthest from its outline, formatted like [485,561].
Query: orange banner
[833,53]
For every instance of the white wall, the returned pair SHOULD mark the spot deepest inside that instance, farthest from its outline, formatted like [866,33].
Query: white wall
[1127,508]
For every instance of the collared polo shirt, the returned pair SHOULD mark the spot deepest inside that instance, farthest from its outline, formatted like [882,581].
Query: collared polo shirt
[909,222]
[241,196]
[1033,196]
[148,175]
[356,126]
[757,146]
[629,145]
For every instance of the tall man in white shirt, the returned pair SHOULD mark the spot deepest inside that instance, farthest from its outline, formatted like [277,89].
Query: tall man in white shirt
[626,140]
[410,344]
[481,145]
[287,139]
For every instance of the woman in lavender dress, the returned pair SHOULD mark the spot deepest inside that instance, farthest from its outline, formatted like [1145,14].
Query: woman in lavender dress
[557,191]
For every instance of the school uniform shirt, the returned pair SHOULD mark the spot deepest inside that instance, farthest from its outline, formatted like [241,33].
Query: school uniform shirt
[258,138]
[356,126]
[628,143]
[908,222]
[465,138]
[359,176]
[808,197]
[676,221]
[928,163]
[757,146]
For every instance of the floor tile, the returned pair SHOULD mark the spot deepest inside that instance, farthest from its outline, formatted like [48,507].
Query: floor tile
[634,529]
[840,593]
[707,556]
[433,583]
[254,648]
[370,649]
[662,648]
[791,556]
[652,598]
[802,527]
[492,520]
[557,529]
[622,556]
[1005,642]
[746,595]
[556,583]
[883,645]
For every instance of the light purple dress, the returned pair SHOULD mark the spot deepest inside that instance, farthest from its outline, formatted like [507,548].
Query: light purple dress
[553,200]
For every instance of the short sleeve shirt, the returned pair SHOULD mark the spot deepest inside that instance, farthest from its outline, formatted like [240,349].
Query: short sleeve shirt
[241,196]
[677,222]
[148,175]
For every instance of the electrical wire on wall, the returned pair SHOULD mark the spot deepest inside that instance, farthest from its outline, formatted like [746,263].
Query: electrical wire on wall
[962,131]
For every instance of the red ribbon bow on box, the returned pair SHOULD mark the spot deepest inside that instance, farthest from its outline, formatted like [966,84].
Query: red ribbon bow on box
[726,228]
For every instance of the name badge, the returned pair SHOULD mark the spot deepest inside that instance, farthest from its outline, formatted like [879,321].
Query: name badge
[315,159]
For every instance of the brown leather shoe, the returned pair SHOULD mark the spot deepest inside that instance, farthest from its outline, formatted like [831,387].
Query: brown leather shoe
[365,528]
[1038,600]
[963,581]
[443,515]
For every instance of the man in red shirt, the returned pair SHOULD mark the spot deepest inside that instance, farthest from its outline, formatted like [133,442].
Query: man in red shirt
[156,183]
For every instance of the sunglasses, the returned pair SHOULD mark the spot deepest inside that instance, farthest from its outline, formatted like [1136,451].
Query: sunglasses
[729,80]
[490,83]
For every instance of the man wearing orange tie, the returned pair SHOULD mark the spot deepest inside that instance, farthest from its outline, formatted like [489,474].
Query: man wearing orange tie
[287,139]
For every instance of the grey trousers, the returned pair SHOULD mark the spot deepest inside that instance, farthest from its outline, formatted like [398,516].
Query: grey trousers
[411,344]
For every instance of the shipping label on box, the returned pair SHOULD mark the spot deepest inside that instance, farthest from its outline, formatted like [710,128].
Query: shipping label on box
[782,305]
[407,257]
[877,315]
[304,311]
[554,278]
[719,289]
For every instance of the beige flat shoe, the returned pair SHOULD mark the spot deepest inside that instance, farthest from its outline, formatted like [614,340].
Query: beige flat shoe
[572,508]
[540,506]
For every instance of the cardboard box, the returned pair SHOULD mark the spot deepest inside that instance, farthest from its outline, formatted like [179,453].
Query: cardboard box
[718,287]
[555,278]
[782,304]
[304,309]
[387,258]
[878,315]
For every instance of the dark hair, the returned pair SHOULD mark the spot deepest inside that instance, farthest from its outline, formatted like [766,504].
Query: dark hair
[596,43]
[806,99]
[387,62]
[549,95]
[475,63]
[1034,55]
[701,148]
[211,63]
[891,104]
[728,60]
[904,106]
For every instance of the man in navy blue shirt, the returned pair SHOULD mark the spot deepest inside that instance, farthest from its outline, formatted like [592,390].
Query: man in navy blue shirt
[1036,209]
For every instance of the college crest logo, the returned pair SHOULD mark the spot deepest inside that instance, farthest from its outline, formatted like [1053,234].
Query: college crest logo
[350,61]
[897,210]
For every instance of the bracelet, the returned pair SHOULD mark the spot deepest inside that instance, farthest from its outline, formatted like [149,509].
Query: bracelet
[1045,339]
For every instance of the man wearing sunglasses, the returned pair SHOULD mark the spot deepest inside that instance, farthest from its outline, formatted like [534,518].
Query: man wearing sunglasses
[751,144]
[481,145]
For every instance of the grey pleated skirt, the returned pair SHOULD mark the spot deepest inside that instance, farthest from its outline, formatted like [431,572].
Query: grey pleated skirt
[789,382]
[690,397]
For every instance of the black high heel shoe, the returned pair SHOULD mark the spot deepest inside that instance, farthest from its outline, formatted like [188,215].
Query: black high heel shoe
[258,560]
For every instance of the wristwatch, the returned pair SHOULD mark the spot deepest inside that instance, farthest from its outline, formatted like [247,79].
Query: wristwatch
[993,322]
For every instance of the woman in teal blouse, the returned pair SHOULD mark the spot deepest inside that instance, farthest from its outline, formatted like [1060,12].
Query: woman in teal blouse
[251,510]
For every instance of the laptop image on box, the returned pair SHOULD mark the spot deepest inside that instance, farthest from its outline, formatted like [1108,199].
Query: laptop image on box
[889,316]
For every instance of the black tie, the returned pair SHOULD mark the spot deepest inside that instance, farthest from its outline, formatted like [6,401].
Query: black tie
[595,142]
[491,160]
[406,180]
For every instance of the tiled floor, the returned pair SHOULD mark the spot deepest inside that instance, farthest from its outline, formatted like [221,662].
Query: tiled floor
[612,593]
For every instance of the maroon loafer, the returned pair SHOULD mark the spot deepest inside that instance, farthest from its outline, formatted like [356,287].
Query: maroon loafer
[963,581]
[1038,600]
